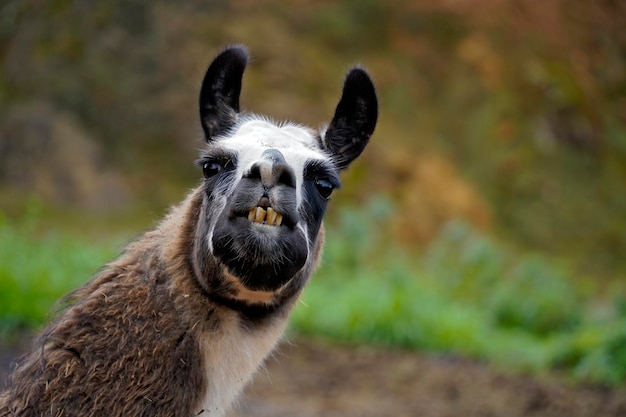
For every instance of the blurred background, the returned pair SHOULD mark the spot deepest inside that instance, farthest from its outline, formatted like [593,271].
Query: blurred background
[486,219]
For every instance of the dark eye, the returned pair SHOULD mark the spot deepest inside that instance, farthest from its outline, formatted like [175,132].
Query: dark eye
[211,168]
[324,187]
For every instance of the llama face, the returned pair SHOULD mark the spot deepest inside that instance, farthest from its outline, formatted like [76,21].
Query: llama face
[267,185]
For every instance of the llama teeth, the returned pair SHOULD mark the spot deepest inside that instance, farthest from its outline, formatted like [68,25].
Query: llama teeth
[260,215]
[270,219]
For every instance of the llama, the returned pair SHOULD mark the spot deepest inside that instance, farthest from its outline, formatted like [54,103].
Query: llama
[179,323]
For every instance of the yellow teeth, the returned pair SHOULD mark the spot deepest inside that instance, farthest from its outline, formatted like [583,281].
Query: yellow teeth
[271,216]
[268,217]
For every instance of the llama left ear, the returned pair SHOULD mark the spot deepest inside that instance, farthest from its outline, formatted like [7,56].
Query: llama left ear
[354,120]
[219,96]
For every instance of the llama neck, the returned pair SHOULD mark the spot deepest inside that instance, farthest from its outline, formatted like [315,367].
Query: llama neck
[234,347]
[232,355]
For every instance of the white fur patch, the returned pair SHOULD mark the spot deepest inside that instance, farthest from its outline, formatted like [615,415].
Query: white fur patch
[253,137]
[231,358]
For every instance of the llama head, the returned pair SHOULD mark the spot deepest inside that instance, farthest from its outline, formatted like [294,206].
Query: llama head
[267,184]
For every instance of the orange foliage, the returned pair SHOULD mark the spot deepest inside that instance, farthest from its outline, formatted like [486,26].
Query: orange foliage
[426,191]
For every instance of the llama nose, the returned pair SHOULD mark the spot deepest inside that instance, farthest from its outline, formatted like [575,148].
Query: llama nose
[273,155]
[272,170]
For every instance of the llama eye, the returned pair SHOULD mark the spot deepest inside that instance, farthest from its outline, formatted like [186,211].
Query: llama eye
[324,187]
[210,169]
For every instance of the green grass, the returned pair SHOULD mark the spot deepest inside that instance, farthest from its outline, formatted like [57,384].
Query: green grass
[39,267]
[465,294]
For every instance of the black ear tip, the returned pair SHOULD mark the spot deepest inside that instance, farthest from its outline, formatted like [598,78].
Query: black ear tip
[235,56]
[358,74]
[360,88]
[359,80]
[235,52]
[229,65]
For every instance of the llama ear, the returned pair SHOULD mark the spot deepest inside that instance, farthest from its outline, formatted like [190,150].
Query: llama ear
[354,120]
[219,96]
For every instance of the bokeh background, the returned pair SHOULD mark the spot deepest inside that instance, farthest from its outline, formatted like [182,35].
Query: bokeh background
[487,218]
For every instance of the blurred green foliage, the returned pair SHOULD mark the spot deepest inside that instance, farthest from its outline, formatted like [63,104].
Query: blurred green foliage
[38,267]
[529,293]
[465,295]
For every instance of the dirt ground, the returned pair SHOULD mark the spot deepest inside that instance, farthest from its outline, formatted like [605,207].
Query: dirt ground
[308,378]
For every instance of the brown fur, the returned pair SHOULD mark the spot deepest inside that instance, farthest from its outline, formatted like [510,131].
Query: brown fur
[172,342]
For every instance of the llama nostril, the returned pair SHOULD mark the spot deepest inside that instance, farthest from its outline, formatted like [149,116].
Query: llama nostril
[254,173]
[272,174]
[286,175]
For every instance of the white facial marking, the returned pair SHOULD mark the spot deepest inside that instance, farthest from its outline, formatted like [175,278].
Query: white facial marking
[296,143]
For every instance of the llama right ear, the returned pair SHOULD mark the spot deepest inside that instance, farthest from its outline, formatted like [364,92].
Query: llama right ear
[354,120]
[219,96]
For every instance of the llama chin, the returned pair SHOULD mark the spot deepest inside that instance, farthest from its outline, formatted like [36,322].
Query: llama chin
[180,322]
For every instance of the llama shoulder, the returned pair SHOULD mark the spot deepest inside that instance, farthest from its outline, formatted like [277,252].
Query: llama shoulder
[120,332]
